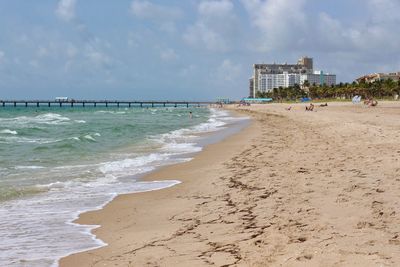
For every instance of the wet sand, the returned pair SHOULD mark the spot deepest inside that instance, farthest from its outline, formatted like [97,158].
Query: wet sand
[295,188]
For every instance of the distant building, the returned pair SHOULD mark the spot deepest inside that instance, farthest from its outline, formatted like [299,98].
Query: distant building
[251,84]
[267,82]
[373,77]
[318,78]
[306,62]
[259,69]
[266,77]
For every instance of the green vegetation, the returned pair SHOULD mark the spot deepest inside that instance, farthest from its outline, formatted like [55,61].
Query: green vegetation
[379,89]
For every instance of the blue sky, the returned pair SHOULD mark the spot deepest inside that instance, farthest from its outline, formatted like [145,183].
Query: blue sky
[192,49]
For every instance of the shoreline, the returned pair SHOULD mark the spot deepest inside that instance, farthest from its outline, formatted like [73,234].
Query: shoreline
[207,139]
[294,188]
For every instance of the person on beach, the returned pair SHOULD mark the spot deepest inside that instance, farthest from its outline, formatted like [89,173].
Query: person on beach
[371,102]
[310,108]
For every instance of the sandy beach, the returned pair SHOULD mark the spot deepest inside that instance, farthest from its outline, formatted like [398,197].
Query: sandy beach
[295,188]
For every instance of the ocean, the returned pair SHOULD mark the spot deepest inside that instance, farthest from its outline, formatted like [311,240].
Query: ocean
[56,163]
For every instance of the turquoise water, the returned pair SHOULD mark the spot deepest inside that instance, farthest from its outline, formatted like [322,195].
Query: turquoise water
[58,162]
[32,141]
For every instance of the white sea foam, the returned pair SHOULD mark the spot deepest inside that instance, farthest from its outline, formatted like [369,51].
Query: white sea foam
[76,166]
[15,139]
[8,131]
[28,167]
[182,140]
[89,137]
[211,126]
[131,166]
[48,214]
[54,185]
[111,112]
[47,118]
[179,148]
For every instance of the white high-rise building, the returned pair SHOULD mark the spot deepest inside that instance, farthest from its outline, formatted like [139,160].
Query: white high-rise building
[267,82]
[266,77]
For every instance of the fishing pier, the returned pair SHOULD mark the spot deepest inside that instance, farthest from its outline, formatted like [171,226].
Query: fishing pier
[100,103]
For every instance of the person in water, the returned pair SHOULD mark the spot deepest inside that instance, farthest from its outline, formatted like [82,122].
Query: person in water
[190,115]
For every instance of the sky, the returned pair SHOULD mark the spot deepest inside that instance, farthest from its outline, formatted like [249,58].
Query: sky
[191,50]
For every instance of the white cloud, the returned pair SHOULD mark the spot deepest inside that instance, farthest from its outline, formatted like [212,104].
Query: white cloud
[2,56]
[34,63]
[215,26]
[188,71]
[215,8]
[16,61]
[229,71]
[168,54]
[97,58]
[91,51]
[71,51]
[22,39]
[282,23]
[364,39]
[383,11]
[66,9]
[164,17]
[133,40]
[289,28]
[42,51]
[202,36]
[154,12]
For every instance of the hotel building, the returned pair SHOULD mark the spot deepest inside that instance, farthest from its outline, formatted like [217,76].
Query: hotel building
[266,77]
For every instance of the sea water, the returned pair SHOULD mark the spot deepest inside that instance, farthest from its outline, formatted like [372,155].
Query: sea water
[56,163]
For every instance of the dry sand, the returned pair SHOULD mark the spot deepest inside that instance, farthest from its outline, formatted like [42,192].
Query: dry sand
[295,188]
